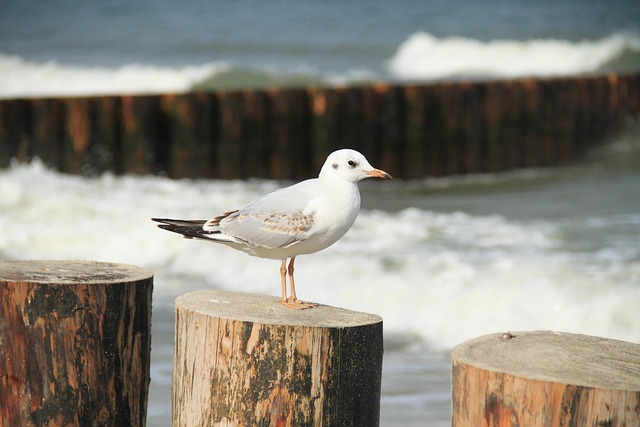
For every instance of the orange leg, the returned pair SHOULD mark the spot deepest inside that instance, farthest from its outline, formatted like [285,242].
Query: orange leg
[283,279]
[292,283]
[292,301]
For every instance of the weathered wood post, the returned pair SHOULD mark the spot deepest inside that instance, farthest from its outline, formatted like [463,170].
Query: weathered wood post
[244,359]
[74,343]
[546,379]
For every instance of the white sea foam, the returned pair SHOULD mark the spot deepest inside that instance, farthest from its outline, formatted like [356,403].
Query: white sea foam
[442,277]
[424,56]
[421,57]
[22,78]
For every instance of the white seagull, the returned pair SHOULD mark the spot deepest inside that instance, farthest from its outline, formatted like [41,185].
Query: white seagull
[301,219]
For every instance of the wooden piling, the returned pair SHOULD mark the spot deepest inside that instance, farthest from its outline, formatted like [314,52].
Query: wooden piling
[146,144]
[546,379]
[75,343]
[415,137]
[388,112]
[325,124]
[244,359]
[193,131]
[413,131]
[288,145]
[15,131]
[234,124]
[47,132]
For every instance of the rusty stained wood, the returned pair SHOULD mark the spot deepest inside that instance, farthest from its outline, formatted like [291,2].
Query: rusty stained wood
[326,122]
[47,131]
[467,127]
[75,343]
[288,132]
[146,143]
[243,359]
[235,124]
[193,131]
[386,115]
[545,379]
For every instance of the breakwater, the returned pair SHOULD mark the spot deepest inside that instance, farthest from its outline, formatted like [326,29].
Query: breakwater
[411,131]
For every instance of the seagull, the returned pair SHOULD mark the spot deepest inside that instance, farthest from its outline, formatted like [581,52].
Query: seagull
[303,218]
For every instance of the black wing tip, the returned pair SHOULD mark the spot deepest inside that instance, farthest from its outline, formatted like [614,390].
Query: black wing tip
[189,229]
[166,224]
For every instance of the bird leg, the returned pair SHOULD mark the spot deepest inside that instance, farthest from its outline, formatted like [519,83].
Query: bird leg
[283,280]
[292,284]
[292,301]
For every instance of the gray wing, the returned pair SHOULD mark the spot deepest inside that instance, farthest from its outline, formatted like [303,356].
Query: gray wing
[276,220]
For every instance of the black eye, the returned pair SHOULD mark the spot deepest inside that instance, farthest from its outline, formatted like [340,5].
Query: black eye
[352,163]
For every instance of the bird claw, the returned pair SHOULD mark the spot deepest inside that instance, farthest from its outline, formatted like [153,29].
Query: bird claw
[297,304]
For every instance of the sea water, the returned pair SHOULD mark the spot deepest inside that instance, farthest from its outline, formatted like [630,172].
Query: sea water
[67,47]
[441,260]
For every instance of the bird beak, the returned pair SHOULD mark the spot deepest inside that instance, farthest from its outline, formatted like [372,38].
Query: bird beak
[377,173]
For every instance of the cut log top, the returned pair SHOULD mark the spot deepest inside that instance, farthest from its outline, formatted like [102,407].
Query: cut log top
[557,357]
[69,272]
[268,310]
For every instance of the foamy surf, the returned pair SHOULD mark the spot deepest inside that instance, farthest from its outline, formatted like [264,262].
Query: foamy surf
[442,277]
[23,78]
[421,57]
[424,56]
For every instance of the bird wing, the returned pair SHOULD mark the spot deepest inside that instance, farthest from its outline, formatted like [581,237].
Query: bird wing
[276,220]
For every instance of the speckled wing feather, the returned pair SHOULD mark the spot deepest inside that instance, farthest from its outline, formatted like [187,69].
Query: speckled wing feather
[277,220]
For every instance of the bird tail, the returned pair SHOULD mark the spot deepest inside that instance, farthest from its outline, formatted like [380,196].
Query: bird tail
[194,229]
[188,228]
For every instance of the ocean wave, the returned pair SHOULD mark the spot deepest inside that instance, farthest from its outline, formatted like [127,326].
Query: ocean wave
[441,276]
[23,78]
[421,57]
[424,56]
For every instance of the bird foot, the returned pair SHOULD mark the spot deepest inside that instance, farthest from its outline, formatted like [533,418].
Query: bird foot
[297,304]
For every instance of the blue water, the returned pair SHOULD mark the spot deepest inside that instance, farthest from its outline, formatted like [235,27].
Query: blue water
[145,46]
[464,256]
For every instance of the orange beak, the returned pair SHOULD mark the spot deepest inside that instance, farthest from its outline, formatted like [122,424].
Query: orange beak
[377,173]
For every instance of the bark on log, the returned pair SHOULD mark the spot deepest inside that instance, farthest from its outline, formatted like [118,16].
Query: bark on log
[243,359]
[546,379]
[75,343]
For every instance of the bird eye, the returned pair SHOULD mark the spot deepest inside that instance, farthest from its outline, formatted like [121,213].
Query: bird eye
[352,163]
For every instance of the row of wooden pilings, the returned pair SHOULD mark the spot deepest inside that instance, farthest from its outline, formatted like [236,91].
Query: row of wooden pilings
[75,343]
[412,131]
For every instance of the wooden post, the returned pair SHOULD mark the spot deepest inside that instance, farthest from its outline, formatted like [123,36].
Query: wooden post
[416,142]
[241,119]
[47,133]
[193,125]
[389,125]
[288,134]
[244,359]
[75,343]
[546,379]
[15,130]
[78,135]
[324,107]
[145,135]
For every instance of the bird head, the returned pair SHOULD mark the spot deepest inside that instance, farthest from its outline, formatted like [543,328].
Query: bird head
[351,166]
